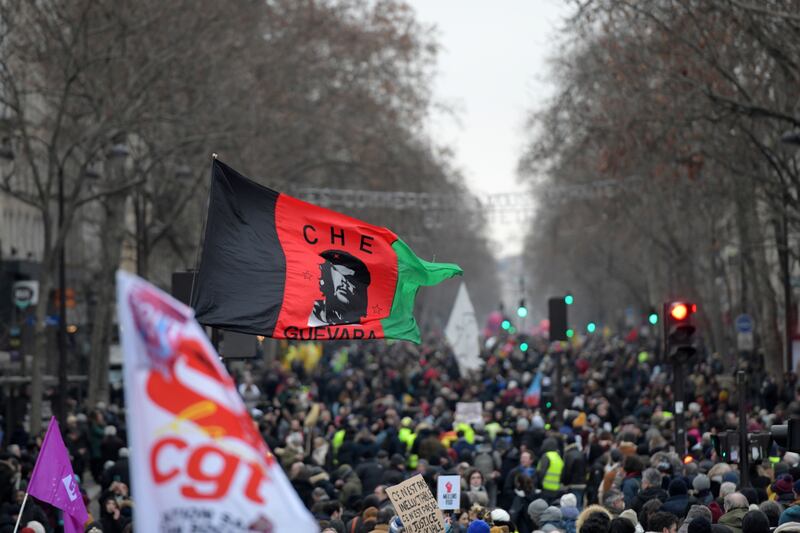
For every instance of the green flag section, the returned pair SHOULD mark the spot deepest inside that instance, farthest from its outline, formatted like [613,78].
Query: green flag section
[276,266]
[413,273]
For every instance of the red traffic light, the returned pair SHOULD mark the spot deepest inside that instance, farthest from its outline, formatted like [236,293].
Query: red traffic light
[680,311]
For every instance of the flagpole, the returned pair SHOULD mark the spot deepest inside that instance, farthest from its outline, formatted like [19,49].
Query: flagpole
[21,509]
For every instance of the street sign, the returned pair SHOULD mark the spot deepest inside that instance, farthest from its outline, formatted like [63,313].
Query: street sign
[25,293]
[744,323]
[745,341]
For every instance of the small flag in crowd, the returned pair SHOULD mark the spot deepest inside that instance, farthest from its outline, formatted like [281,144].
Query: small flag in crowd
[53,480]
[276,266]
[198,462]
[534,393]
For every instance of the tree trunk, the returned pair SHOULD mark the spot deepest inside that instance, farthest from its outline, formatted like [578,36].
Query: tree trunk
[111,240]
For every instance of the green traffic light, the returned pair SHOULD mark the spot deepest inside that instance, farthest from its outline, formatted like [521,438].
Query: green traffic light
[548,405]
[653,318]
[522,312]
[506,324]
[512,330]
[570,333]
[569,299]
[523,346]
[590,327]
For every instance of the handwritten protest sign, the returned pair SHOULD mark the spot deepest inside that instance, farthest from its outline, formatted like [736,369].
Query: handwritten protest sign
[416,506]
[469,412]
[448,492]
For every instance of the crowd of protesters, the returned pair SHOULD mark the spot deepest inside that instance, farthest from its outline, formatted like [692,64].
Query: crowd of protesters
[346,421]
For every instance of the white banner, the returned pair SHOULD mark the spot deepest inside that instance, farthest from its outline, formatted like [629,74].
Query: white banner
[462,332]
[198,461]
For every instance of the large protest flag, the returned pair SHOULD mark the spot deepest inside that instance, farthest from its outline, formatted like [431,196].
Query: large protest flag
[53,481]
[276,266]
[198,462]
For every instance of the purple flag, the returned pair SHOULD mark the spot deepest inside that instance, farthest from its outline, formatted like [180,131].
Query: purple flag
[53,481]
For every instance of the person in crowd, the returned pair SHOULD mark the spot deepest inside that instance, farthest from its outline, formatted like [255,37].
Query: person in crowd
[736,506]
[663,522]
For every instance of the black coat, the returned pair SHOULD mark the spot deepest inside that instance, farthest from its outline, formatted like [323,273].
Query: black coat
[646,495]
[370,473]
[677,505]
[574,472]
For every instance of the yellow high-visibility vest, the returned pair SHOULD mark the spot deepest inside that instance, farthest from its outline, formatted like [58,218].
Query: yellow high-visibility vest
[552,478]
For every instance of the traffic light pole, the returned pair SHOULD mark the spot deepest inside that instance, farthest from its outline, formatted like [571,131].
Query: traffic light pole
[61,411]
[744,451]
[679,377]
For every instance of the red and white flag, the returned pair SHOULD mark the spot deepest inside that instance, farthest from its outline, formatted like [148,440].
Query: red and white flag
[198,460]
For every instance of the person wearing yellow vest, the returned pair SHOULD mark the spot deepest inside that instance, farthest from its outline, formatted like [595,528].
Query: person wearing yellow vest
[407,436]
[336,443]
[550,467]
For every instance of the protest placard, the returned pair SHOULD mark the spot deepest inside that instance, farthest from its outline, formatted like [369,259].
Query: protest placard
[469,412]
[448,492]
[416,506]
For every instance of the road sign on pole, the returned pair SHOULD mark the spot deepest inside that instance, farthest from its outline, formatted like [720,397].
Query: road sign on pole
[745,340]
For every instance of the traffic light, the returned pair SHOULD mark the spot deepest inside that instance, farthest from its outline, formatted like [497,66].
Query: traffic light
[522,311]
[506,324]
[569,299]
[523,347]
[679,329]
[570,333]
[726,444]
[557,313]
[787,436]
[14,338]
[652,317]
[590,327]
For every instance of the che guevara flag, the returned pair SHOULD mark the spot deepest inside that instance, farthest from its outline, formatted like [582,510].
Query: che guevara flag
[276,266]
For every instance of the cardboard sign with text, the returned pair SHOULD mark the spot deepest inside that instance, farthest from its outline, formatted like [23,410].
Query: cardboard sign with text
[416,506]
[448,492]
[469,412]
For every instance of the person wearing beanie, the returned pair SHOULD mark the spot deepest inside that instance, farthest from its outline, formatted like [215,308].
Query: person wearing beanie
[699,524]
[651,489]
[551,520]
[790,514]
[783,488]
[702,489]
[678,501]
[755,522]
[569,512]
[716,511]
[695,511]
[535,510]
[35,526]
[478,526]
[732,477]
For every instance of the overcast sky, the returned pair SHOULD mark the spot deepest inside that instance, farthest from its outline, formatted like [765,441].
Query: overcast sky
[492,71]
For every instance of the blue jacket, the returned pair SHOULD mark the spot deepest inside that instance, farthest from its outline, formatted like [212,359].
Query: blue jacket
[791,514]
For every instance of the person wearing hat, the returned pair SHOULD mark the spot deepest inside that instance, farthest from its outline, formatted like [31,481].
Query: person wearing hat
[702,489]
[569,511]
[535,510]
[783,488]
[695,511]
[478,526]
[551,520]
[678,501]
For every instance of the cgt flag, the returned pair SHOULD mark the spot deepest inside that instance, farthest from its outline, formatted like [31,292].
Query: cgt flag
[276,266]
[198,462]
